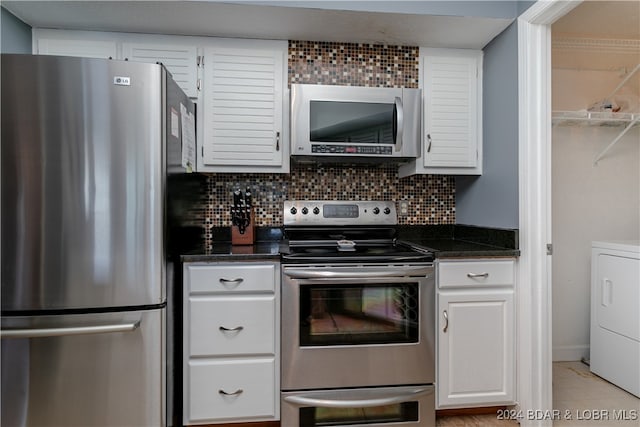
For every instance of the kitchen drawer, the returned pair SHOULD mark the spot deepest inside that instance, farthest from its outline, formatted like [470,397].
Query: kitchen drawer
[254,314]
[463,274]
[255,378]
[231,278]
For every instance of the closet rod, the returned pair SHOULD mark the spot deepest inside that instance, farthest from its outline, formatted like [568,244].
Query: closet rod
[615,141]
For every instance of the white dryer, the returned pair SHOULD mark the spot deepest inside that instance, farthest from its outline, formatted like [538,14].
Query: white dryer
[615,313]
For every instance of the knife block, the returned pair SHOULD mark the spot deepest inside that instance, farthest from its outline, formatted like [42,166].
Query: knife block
[247,238]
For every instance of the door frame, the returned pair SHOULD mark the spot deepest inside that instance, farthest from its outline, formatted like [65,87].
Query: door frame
[534,345]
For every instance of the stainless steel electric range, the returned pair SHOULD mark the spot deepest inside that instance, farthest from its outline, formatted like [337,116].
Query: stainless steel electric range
[358,319]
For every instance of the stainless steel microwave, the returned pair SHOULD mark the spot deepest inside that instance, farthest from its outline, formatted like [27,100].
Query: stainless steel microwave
[354,124]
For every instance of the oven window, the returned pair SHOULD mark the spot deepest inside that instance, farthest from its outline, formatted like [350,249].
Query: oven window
[388,414]
[358,314]
[363,122]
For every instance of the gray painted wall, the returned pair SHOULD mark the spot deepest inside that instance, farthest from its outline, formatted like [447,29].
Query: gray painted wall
[491,200]
[484,9]
[524,5]
[15,35]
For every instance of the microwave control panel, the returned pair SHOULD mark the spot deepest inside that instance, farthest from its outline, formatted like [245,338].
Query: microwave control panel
[382,150]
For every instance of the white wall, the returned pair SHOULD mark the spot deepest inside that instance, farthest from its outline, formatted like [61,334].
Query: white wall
[590,202]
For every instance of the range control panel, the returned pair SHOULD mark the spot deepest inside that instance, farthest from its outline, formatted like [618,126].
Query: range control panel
[323,212]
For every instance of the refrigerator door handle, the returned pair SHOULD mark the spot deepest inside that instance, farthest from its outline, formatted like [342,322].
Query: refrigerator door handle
[70,330]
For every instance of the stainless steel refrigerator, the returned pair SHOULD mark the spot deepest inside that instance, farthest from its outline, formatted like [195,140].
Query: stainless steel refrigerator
[86,147]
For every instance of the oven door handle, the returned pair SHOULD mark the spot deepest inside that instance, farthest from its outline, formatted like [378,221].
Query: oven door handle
[361,401]
[302,273]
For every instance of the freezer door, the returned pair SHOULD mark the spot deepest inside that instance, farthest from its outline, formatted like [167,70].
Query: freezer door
[84,370]
[83,177]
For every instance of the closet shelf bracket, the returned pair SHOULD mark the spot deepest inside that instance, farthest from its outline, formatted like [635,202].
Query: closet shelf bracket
[617,138]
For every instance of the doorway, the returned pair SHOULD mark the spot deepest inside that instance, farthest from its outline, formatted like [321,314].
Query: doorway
[595,177]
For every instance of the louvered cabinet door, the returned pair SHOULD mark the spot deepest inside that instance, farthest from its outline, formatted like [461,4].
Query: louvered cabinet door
[180,61]
[452,110]
[242,117]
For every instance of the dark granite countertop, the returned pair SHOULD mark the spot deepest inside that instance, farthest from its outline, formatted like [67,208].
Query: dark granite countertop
[445,241]
[268,245]
[462,241]
[225,251]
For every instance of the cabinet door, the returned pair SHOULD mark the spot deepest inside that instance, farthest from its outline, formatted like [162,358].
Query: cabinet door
[452,113]
[180,60]
[106,49]
[475,348]
[242,116]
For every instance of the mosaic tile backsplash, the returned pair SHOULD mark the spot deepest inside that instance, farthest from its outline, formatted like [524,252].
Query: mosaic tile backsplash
[352,64]
[431,198]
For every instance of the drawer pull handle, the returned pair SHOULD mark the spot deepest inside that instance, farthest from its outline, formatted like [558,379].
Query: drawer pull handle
[477,275]
[229,282]
[236,329]
[446,321]
[235,393]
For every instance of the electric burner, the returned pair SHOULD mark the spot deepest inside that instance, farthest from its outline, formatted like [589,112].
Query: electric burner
[349,231]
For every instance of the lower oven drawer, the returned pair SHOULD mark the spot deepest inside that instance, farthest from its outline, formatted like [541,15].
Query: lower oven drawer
[385,406]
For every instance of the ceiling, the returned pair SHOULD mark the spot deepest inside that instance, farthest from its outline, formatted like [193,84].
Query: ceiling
[208,18]
[601,19]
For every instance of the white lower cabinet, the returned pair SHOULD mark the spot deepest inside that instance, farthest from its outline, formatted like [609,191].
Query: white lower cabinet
[476,333]
[231,389]
[231,348]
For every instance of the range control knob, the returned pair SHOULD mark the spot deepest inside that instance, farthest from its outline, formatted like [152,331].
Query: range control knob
[387,211]
[293,211]
[305,211]
[376,211]
[316,210]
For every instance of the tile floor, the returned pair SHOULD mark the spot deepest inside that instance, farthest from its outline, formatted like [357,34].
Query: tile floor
[584,397]
[580,399]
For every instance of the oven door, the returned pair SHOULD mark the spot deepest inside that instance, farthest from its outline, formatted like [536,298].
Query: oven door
[388,406]
[357,326]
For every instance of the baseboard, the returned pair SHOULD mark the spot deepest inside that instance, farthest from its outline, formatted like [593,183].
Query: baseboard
[570,353]
[487,410]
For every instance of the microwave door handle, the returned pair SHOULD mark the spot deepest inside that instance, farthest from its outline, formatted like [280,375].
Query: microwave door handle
[399,122]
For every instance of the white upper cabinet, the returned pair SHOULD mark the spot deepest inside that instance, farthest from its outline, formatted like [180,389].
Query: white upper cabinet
[243,126]
[451,80]
[239,86]
[179,55]
[180,60]
[71,46]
